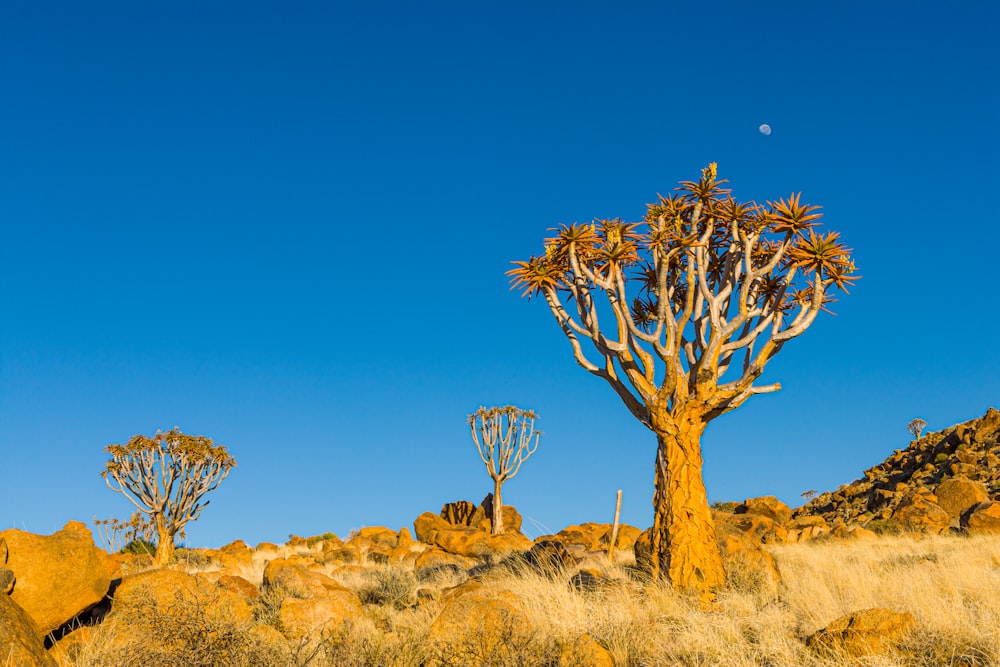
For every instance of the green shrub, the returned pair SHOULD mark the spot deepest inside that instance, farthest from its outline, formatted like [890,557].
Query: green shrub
[138,547]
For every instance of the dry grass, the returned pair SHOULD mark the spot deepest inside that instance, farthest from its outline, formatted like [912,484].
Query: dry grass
[951,585]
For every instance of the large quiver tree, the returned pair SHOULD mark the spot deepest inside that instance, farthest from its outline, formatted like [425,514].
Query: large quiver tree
[166,478]
[682,312]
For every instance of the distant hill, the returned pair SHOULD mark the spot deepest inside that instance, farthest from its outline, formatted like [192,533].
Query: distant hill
[970,450]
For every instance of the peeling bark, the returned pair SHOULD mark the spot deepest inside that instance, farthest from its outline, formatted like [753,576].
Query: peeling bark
[684,548]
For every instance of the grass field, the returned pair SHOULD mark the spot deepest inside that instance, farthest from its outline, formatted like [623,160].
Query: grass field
[951,584]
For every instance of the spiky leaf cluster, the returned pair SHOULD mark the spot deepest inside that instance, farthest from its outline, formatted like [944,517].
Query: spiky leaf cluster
[702,280]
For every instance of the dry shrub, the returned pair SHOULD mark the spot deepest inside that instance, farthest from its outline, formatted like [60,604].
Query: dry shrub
[189,630]
[389,586]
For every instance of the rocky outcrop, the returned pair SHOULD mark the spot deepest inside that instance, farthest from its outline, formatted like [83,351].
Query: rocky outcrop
[467,541]
[958,495]
[955,466]
[919,511]
[863,632]
[984,518]
[20,639]
[59,576]
[768,506]
[594,536]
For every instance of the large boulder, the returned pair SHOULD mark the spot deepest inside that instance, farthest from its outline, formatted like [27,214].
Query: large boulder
[298,579]
[20,639]
[315,602]
[919,511]
[173,589]
[475,630]
[318,615]
[863,632]
[959,494]
[758,527]
[466,541]
[768,506]
[984,518]
[59,576]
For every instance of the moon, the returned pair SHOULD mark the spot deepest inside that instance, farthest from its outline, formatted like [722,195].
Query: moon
[765,129]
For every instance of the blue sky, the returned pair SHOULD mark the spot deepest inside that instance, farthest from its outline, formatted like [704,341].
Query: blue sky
[286,227]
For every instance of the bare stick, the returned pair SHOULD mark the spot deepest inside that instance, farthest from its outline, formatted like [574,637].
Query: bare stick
[614,528]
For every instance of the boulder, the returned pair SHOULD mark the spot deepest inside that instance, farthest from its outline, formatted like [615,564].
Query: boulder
[238,585]
[436,559]
[739,548]
[768,506]
[919,511]
[806,528]
[57,576]
[757,527]
[863,632]
[458,513]
[298,579]
[478,631]
[466,541]
[235,558]
[584,651]
[984,518]
[478,543]
[959,494]
[318,615]
[20,639]
[549,557]
[170,589]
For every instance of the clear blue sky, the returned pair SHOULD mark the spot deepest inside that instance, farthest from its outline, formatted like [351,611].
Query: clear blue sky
[286,225]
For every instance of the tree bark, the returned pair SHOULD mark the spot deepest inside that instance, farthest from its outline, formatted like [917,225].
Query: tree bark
[683,540]
[164,542]
[497,519]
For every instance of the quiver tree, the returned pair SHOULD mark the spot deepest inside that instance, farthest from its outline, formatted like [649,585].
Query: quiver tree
[166,477]
[503,436]
[916,427]
[681,313]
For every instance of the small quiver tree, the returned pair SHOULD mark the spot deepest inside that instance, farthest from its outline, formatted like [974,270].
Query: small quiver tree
[916,427]
[682,313]
[166,477]
[503,436]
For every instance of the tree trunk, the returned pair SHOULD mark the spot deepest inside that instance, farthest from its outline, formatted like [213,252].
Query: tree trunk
[497,519]
[164,542]
[684,549]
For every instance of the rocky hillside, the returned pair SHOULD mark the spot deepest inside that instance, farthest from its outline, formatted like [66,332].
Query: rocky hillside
[938,482]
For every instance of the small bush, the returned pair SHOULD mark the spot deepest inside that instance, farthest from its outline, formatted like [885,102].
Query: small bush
[389,586]
[139,547]
[187,631]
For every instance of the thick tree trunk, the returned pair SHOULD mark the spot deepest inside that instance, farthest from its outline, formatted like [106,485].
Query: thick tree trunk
[684,549]
[164,542]
[497,518]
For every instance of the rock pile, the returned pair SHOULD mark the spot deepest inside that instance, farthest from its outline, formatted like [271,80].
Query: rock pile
[941,481]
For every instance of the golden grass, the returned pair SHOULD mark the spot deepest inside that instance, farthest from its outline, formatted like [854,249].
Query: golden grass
[951,584]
